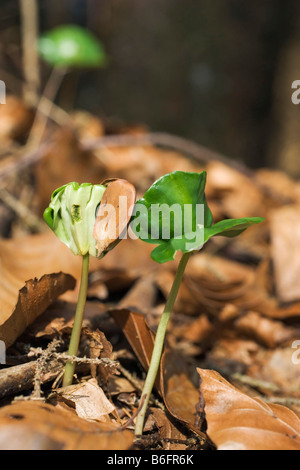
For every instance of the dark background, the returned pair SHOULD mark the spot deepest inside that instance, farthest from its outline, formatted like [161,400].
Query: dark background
[218,72]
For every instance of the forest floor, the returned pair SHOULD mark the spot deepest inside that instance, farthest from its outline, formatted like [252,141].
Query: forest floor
[230,372]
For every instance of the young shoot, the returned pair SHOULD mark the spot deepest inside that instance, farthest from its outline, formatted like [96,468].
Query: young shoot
[174,215]
[77,214]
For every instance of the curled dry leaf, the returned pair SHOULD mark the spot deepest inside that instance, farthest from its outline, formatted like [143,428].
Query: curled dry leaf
[179,392]
[172,438]
[236,421]
[99,348]
[37,426]
[114,213]
[138,334]
[32,300]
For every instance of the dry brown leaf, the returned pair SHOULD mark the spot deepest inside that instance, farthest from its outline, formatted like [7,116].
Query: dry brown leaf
[143,165]
[65,161]
[141,296]
[99,348]
[179,392]
[111,225]
[278,183]
[15,120]
[285,233]
[230,186]
[278,367]
[168,431]
[233,353]
[89,400]
[236,421]
[87,125]
[59,317]
[37,426]
[33,299]
[117,385]
[269,333]
[197,331]
[33,255]
[138,334]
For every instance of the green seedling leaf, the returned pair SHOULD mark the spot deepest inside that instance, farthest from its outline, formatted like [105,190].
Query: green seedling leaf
[72,214]
[174,215]
[71,46]
[231,227]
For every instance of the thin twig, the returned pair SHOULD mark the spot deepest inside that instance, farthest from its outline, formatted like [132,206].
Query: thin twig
[130,421]
[28,217]
[105,361]
[182,145]
[45,107]
[30,27]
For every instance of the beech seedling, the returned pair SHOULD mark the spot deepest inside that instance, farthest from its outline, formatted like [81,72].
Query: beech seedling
[71,46]
[174,215]
[90,220]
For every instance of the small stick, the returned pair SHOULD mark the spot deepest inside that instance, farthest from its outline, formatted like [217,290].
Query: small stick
[29,15]
[134,414]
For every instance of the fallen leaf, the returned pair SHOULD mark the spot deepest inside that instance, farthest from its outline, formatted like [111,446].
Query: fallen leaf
[32,300]
[15,120]
[59,317]
[277,366]
[99,348]
[137,332]
[198,331]
[117,385]
[89,400]
[229,185]
[65,161]
[32,255]
[179,392]
[279,184]
[267,332]
[38,426]
[236,421]
[285,234]
[168,431]
[141,297]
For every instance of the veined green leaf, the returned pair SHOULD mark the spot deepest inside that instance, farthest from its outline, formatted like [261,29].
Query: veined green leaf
[174,215]
[72,214]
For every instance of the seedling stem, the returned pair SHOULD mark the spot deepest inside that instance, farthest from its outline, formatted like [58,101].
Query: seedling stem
[75,337]
[159,343]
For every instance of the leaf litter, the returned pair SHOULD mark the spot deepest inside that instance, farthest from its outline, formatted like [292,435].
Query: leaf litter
[238,312]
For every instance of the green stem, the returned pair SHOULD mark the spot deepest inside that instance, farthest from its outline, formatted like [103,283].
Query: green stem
[159,344]
[76,332]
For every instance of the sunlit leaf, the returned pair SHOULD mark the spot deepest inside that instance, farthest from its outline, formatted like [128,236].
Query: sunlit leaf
[71,46]
[174,215]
